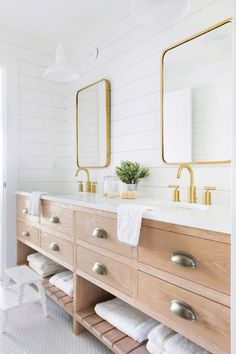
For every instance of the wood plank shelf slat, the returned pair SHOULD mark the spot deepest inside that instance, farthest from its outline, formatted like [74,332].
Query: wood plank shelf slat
[63,300]
[114,339]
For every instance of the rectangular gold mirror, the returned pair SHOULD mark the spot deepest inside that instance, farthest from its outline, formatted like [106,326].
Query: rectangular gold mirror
[196,98]
[93,125]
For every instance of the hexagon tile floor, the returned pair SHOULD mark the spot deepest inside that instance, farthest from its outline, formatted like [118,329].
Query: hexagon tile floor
[29,332]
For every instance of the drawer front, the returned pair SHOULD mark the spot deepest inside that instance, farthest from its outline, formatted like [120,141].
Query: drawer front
[22,210]
[57,218]
[199,260]
[107,270]
[212,326]
[28,232]
[99,231]
[57,247]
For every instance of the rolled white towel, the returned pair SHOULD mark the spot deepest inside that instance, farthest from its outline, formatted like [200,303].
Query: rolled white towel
[181,345]
[126,318]
[57,276]
[153,348]
[160,334]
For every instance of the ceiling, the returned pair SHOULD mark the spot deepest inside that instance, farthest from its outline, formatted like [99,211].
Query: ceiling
[71,22]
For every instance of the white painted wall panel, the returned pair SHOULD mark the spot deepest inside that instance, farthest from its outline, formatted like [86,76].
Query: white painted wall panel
[130,58]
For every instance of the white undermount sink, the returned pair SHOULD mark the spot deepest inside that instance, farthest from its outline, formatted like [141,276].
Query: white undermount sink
[185,205]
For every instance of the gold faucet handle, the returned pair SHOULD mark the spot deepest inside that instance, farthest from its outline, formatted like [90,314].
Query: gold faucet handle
[93,187]
[207,194]
[176,193]
[209,188]
[80,186]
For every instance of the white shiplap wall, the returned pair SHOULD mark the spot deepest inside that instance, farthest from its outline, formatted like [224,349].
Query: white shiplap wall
[129,56]
[41,113]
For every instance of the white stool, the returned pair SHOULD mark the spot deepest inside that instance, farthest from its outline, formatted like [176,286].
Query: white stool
[21,293]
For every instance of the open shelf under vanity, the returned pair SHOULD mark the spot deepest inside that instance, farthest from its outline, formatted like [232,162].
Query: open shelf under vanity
[57,295]
[114,339]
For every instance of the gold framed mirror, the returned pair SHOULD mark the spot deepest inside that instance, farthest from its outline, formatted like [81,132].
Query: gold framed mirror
[93,125]
[196,98]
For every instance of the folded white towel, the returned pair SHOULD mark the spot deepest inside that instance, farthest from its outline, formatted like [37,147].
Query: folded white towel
[43,265]
[154,349]
[181,345]
[129,220]
[126,318]
[34,203]
[66,284]
[57,276]
[160,334]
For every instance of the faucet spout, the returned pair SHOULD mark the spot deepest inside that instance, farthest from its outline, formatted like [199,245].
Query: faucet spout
[192,196]
[88,183]
[189,168]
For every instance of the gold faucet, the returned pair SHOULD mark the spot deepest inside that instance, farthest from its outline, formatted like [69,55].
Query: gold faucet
[192,195]
[88,183]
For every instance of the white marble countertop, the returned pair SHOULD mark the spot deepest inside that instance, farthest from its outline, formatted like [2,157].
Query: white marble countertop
[214,217]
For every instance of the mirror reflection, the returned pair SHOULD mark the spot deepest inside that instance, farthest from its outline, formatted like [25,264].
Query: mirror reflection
[93,125]
[197,96]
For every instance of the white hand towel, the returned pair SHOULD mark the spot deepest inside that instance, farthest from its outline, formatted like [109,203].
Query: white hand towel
[127,319]
[160,334]
[129,220]
[57,276]
[181,345]
[34,203]
[153,348]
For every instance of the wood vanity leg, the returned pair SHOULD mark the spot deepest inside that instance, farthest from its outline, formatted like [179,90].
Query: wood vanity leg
[22,252]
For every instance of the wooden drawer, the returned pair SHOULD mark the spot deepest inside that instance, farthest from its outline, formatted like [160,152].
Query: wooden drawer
[212,258]
[117,275]
[212,328]
[28,232]
[57,247]
[22,210]
[85,229]
[57,218]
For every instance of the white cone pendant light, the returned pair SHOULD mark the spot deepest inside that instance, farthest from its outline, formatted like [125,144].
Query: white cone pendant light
[159,13]
[61,71]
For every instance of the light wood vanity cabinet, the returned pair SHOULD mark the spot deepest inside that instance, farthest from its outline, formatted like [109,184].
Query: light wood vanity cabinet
[175,271]
[199,260]
[57,247]
[99,231]
[212,325]
[105,269]
[28,232]
[57,218]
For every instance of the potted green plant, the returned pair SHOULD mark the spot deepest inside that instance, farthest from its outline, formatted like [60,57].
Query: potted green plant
[130,174]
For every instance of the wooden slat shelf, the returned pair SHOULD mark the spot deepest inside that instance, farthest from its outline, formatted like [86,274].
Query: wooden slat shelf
[63,300]
[115,340]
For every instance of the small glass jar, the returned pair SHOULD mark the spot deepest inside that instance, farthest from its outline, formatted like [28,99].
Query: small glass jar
[129,191]
[111,186]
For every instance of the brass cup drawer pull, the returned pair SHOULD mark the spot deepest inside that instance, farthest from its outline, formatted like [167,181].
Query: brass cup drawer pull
[25,234]
[25,211]
[183,259]
[99,269]
[183,310]
[54,219]
[99,233]
[54,246]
